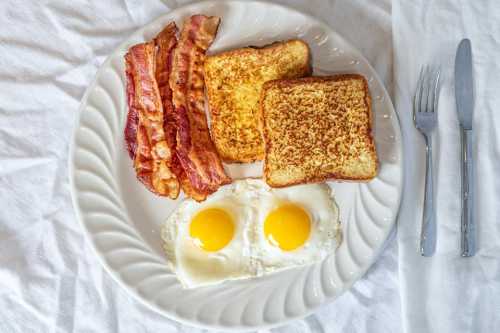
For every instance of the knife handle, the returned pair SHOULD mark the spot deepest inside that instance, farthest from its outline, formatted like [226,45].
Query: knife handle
[468,226]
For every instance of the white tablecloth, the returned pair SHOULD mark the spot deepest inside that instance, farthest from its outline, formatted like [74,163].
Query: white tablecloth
[448,293]
[50,280]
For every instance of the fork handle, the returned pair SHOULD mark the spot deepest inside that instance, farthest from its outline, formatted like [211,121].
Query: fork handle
[428,234]
[468,227]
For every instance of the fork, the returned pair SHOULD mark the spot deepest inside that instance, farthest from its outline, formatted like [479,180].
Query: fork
[425,119]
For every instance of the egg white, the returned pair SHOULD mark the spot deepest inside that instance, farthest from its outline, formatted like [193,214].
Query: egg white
[249,253]
[317,200]
[196,267]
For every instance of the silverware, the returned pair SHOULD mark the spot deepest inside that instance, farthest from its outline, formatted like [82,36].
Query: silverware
[465,106]
[425,119]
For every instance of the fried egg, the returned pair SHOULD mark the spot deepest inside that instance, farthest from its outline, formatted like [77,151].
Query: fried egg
[295,226]
[247,229]
[207,243]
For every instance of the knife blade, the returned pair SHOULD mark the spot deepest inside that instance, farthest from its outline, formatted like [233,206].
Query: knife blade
[463,84]
[464,95]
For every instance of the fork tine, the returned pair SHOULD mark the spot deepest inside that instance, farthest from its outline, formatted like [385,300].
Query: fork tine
[424,101]
[430,90]
[418,93]
[431,85]
[436,90]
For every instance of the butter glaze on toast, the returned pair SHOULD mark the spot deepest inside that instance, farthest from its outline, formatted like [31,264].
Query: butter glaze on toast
[317,128]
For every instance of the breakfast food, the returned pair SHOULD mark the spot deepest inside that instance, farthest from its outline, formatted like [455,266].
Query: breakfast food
[144,130]
[166,132]
[307,130]
[317,128]
[234,82]
[195,149]
[207,243]
[247,229]
[295,226]
[166,41]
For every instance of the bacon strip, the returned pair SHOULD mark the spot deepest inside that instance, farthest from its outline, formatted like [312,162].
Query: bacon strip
[132,118]
[152,154]
[195,149]
[166,42]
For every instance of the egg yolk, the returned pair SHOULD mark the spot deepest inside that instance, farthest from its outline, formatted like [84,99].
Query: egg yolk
[212,229]
[287,227]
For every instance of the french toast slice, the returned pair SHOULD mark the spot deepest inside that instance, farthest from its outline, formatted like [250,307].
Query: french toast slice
[317,128]
[234,82]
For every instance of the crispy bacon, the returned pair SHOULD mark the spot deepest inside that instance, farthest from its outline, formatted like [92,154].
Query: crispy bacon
[153,155]
[166,133]
[166,42]
[143,160]
[195,149]
[132,118]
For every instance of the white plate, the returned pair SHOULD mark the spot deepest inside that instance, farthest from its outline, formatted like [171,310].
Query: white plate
[122,219]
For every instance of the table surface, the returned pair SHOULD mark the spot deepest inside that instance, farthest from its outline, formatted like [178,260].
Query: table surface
[50,280]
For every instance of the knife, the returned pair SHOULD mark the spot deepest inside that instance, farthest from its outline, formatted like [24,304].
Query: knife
[464,96]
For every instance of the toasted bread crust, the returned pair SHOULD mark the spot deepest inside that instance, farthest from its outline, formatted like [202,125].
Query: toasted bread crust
[273,46]
[234,80]
[364,138]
